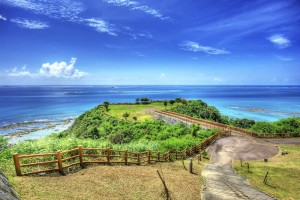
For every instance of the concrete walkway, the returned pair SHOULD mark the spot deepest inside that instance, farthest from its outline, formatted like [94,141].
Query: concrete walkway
[221,182]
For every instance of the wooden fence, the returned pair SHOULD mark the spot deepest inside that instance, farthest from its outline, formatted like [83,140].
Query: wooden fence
[63,161]
[210,124]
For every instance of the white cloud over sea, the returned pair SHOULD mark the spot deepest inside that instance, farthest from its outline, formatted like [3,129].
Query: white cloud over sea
[56,69]
[196,47]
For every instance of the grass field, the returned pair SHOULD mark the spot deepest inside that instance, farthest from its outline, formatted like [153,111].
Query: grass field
[284,173]
[115,182]
[137,110]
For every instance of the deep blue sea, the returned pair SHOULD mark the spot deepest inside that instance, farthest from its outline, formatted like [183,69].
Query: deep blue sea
[21,105]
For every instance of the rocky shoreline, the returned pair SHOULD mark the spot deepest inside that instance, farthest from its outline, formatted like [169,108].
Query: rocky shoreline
[18,130]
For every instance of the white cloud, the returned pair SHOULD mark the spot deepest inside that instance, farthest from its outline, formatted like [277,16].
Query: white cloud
[134,5]
[65,10]
[101,26]
[61,69]
[145,35]
[196,47]
[22,72]
[2,18]
[162,76]
[30,24]
[279,40]
[56,69]
[60,9]
[218,79]
[136,36]
[135,53]
[282,58]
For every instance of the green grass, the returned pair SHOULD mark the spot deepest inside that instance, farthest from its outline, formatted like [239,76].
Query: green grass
[135,110]
[284,173]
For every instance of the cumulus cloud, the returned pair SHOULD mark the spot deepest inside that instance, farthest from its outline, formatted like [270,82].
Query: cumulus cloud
[30,24]
[56,69]
[196,47]
[135,5]
[101,26]
[280,41]
[61,69]
[2,18]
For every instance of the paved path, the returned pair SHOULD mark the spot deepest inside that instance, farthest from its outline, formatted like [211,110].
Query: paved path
[221,182]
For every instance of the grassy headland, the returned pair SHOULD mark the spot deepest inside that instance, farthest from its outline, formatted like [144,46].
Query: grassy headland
[102,129]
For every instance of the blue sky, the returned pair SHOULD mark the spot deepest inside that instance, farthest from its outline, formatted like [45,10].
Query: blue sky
[113,42]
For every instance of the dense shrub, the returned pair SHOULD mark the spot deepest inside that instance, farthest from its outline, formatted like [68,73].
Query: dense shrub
[242,123]
[3,143]
[289,125]
[199,109]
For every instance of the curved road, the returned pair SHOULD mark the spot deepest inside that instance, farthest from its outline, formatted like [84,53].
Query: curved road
[221,182]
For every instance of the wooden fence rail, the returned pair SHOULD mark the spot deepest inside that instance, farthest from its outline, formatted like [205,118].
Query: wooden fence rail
[80,156]
[224,127]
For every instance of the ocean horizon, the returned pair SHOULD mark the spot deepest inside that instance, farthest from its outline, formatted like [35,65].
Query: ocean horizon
[41,110]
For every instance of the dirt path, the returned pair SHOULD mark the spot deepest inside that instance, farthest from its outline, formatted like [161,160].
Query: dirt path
[221,182]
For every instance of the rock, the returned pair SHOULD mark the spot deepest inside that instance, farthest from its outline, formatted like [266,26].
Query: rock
[6,190]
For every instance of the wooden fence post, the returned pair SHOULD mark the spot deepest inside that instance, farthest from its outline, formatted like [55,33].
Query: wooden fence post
[149,156]
[138,158]
[17,164]
[266,176]
[126,157]
[108,155]
[80,156]
[191,165]
[59,162]
[176,155]
[169,155]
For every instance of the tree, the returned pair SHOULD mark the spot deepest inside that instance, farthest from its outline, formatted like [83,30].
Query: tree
[145,100]
[172,102]
[137,100]
[106,104]
[184,102]
[134,118]
[178,100]
[126,115]
[165,104]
